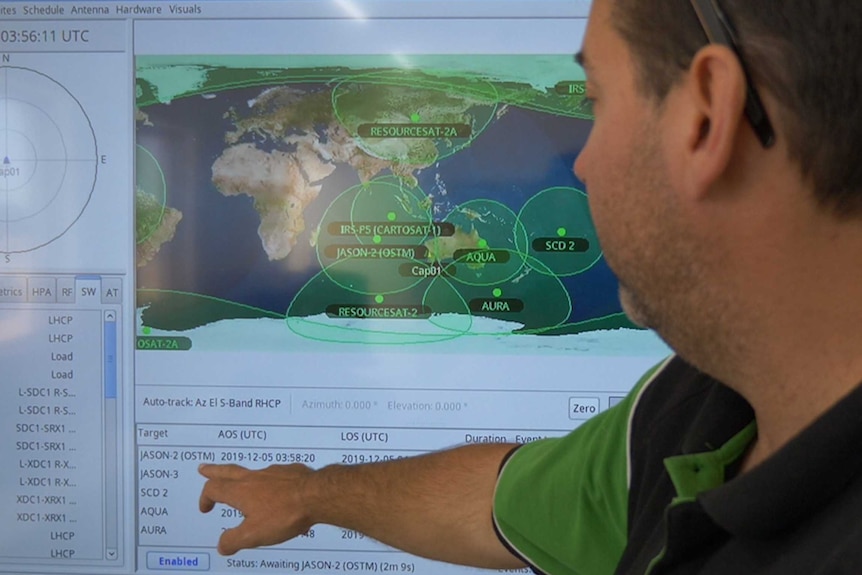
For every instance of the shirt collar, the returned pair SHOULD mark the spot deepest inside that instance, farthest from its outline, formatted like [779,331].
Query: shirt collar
[797,480]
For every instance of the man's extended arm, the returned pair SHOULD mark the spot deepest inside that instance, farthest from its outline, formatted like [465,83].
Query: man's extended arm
[436,505]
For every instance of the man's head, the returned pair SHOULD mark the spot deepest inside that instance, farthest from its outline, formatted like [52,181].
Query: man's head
[703,226]
[805,53]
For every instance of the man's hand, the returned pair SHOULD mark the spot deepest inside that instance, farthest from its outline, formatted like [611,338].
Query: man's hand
[270,501]
[436,505]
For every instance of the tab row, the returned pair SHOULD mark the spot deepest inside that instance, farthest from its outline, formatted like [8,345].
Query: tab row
[63,289]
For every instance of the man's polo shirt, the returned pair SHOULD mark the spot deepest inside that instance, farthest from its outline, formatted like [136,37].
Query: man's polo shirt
[650,486]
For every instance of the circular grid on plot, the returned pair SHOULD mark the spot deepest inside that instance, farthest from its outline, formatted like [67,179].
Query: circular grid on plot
[48,159]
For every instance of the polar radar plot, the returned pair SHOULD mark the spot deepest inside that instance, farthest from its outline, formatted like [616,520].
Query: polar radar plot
[48,160]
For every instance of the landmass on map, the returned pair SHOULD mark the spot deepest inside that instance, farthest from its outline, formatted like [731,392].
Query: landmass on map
[281,184]
[318,128]
[155,225]
[178,312]
[443,248]
[142,118]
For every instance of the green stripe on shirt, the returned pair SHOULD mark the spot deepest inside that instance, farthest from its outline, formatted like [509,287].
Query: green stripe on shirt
[562,503]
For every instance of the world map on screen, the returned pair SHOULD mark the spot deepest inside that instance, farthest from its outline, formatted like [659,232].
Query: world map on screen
[375,199]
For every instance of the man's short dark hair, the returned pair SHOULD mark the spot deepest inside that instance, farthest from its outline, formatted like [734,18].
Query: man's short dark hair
[806,53]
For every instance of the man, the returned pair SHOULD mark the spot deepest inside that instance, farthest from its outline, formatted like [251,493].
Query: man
[726,188]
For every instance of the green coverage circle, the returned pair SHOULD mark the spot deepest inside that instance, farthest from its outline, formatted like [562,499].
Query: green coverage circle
[405,96]
[354,246]
[150,194]
[548,214]
[494,230]
[455,300]
[307,317]
[546,302]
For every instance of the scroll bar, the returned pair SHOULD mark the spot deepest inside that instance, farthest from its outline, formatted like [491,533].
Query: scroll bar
[111,471]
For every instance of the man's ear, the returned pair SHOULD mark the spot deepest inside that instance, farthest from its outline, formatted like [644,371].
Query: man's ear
[714,97]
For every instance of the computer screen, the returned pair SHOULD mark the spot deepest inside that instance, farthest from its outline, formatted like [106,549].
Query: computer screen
[284,231]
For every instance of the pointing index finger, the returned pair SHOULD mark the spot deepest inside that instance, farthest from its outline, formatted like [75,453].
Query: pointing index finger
[216,489]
